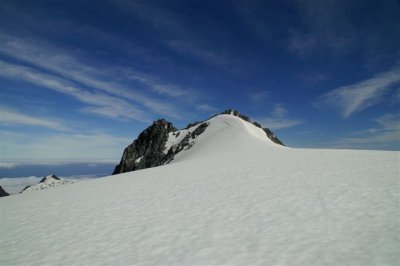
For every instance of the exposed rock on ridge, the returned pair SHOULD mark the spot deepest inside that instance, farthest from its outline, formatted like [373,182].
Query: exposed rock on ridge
[147,150]
[267,131]
[187,142]
[3,193]
[47,182]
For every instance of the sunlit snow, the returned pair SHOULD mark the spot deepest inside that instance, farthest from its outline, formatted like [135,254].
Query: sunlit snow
[233,198]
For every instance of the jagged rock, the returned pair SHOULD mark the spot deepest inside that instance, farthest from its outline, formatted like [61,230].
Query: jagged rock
[272,136]
[236,113]
[3,193]
[147,150]
[44,179]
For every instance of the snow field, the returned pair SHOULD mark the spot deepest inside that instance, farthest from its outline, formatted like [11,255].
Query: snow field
[232,199]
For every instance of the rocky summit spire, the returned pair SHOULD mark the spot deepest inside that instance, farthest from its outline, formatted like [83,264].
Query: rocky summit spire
[148,149]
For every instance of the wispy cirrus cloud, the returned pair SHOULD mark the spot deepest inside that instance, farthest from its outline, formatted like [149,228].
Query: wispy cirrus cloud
[386,135]
[99,103]
[357,97]
[177,35]
[206,108]
[45,56]
[335,28]
[12,117]
[80,146]
[279,119]
[258,96]
[203,53]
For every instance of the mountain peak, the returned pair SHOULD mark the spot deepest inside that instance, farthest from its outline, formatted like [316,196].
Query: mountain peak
[47,182]
[161,142]
[49,178]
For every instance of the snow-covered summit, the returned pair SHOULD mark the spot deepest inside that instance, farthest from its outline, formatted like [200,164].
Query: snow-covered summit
[47,182]
[162,143]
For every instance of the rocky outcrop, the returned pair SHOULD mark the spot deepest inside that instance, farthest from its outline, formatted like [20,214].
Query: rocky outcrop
[47,178]
[147,150]
[272,136]
[150,149]
[187,142]
[47,182]
[3,193]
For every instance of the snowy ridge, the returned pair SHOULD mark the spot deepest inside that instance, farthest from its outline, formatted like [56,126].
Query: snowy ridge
[226,135]
[47,182]
[234,198]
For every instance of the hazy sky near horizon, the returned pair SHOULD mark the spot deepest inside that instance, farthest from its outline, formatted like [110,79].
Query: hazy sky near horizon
[81,79]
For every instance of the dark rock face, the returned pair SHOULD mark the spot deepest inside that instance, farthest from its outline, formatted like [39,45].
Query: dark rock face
[45,178]
[273,137]
[3,193]
[25,188]
[147,150]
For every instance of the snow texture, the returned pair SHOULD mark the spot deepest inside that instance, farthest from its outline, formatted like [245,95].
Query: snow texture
[235,198]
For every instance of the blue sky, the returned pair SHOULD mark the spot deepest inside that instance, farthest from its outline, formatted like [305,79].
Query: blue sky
[80,79]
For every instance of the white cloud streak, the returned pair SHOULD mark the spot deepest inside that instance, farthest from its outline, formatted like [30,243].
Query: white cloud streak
[206,55]
[12,117]
[102,104]
[91,146]
[278,119]
[180,38]
[206,108]
[385,136]
[357,97]
[258,96]
[44,55]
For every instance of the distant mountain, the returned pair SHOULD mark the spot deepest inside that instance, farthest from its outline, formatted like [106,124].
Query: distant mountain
[161,142]
[47,182]
[3,193]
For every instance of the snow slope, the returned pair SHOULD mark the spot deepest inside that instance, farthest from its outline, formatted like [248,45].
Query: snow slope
[234,198]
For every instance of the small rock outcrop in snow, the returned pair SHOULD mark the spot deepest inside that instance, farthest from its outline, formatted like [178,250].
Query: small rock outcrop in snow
[158,144]
[3,193]
[47,182]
